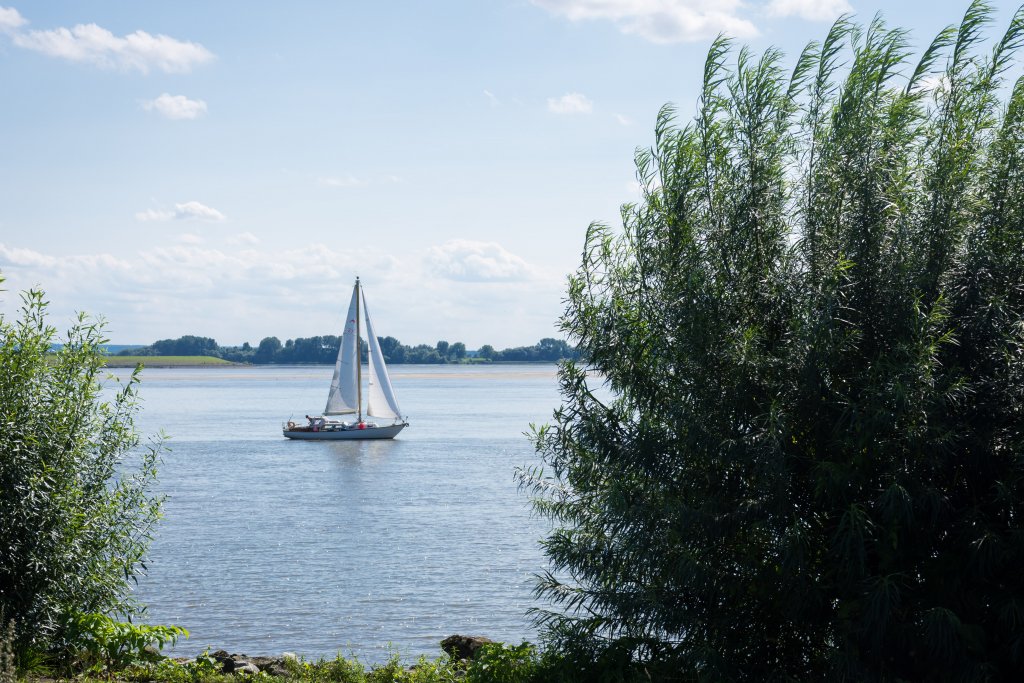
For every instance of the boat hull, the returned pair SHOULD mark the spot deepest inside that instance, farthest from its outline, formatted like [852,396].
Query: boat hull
[385,432]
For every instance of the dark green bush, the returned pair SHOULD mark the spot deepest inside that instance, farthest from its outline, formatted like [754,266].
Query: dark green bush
[813,464]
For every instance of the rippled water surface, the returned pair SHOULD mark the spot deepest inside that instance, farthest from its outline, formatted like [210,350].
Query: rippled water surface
[270,545]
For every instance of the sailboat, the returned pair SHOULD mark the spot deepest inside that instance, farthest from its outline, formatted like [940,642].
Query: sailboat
[345,399]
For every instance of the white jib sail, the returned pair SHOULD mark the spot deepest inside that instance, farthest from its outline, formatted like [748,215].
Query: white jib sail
[344,396]
[381,401]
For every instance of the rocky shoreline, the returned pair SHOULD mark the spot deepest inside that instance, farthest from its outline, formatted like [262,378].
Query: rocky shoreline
[457,646]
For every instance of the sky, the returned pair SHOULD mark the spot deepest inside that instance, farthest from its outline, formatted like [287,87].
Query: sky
[226,169]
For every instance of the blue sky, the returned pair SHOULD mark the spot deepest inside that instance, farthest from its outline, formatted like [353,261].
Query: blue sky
[227,168]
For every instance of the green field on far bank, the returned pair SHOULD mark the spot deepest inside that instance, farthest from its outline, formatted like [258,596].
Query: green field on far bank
[165,361]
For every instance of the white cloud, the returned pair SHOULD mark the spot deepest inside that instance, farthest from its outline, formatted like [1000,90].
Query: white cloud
[492,98]
[244,294]
[244,239]
[92,44]
[341,181]
[570,103]
[811,10]
[198,211]
[176,107]
[659,21]
[470,261]
[14,256]
[154,215]
[10,20]
[187,211]
[623,120]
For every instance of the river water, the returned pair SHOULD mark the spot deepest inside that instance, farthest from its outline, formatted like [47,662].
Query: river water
[271,545]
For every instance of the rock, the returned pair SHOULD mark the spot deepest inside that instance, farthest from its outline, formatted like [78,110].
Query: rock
[263,663]
[243,667]
[271,666]
[290,655]
[277,671]
[231,663]
[463,647]
[235,663]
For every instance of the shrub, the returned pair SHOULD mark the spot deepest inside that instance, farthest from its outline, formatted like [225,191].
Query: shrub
[75,509]
[499,663]
[812,466]
[107,645]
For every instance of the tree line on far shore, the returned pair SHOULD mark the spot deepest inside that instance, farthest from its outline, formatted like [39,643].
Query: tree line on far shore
[324,349]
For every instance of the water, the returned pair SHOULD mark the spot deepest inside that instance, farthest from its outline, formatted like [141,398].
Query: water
[270,545]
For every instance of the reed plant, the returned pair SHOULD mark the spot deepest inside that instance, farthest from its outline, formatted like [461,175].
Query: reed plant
[812,466]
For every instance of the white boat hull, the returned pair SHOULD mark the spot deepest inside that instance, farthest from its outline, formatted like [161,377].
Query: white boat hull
[384,432]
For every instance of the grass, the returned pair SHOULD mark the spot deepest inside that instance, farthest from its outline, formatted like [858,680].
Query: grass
[166,361]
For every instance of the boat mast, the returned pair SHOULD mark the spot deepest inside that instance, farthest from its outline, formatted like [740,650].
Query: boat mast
[359,360]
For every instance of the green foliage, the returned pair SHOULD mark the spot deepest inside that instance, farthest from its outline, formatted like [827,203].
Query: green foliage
[269,346]
[342,670]
[203,669]
[325,350]
[337,670]
[499,663]
[812,463]
[189,345]
[105,645]
[75,512]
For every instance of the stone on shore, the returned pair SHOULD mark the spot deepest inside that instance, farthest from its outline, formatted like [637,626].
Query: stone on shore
[463,647]
[244,664]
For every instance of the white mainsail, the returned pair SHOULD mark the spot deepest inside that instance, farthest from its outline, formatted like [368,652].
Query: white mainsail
[344,395]
[381,401]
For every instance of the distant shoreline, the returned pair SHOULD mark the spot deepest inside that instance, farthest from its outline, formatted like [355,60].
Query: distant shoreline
[212,362]
[171,362]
